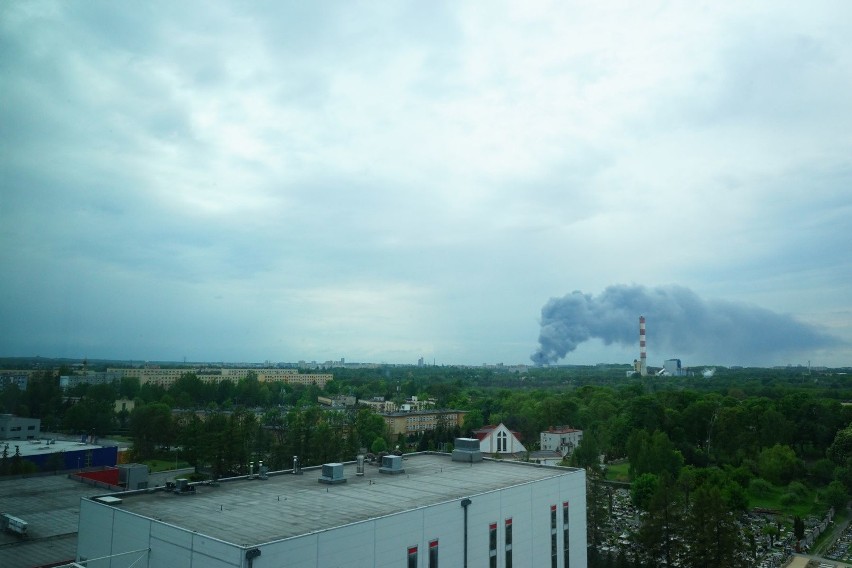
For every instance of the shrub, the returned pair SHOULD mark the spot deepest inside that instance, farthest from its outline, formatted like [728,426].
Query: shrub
[759,487]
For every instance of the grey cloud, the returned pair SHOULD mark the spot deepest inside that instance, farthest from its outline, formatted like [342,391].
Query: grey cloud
[678,322]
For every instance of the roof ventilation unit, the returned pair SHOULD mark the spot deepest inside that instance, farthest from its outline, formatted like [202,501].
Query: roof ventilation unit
[332,474]
[467,450]
[391,465]
[182,487]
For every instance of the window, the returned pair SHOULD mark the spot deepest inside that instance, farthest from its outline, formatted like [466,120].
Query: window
[433,554]
[508,543]
[566,539]
[412,557]
[501,441]
[492,545]
[553,555]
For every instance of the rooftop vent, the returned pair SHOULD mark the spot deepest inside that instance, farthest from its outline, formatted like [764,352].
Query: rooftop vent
[391,465]
[182,487]
[467,450]
[332,474]
[109,500]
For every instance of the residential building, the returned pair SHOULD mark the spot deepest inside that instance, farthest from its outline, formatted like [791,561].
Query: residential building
[562,439]
[379,404]
[17,378]
[167,377]
[339,401]
[440,511]
[417,422]
[123,404]
[415,403]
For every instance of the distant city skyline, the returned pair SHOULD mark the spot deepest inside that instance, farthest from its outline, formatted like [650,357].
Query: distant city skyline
[390,181]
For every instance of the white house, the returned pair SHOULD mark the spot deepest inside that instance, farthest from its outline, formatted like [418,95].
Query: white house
[562,439]
[498,439]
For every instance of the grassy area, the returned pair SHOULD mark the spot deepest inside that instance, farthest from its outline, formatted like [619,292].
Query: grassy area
[165,465]
[618,472]
[778,499]
[120,438]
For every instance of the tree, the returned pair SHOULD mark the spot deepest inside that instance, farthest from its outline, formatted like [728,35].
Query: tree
[150,427]
[368,426]
[642,489]
[653,454]
[129,387]
[659,535]
[10,398]
[779,464]
[798,528]
[712,537]
[379,445]
[836,495]
[473,420]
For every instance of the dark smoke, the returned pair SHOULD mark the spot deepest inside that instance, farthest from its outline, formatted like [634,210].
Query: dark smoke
[679,323]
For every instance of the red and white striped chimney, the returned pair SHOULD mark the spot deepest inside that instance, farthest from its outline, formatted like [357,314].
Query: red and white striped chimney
[643,356]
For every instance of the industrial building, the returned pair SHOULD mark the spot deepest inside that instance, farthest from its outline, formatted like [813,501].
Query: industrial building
[60,455]
[19,428]
[673,368]
[424,510]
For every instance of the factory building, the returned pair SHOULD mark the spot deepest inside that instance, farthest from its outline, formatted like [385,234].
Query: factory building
[422,510]
[673,368]
[58,455]
[19,428]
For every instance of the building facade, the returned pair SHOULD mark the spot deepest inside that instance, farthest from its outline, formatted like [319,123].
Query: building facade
[417,422]
[17,378]
[494,440]
[438,513]
[17,428]
[562,439]
[167,377]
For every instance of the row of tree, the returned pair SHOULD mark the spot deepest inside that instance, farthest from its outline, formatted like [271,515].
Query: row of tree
[689,441]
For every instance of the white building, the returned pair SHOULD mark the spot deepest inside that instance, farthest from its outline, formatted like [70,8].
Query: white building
[428,511]
[498,439]
[673,368]
[562,439]
[19,428]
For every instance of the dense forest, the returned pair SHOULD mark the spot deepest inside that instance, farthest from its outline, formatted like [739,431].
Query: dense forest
[698,451]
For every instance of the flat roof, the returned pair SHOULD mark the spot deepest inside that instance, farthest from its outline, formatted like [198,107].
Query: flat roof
[51,507]
[249,512]
[423,412]
[39,447]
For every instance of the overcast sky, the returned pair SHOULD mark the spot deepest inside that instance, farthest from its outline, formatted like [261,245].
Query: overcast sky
[384,181]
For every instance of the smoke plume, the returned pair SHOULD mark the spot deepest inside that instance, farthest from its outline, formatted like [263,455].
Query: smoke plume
[679,323]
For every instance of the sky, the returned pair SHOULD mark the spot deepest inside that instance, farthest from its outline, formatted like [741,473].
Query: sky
[384,181]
